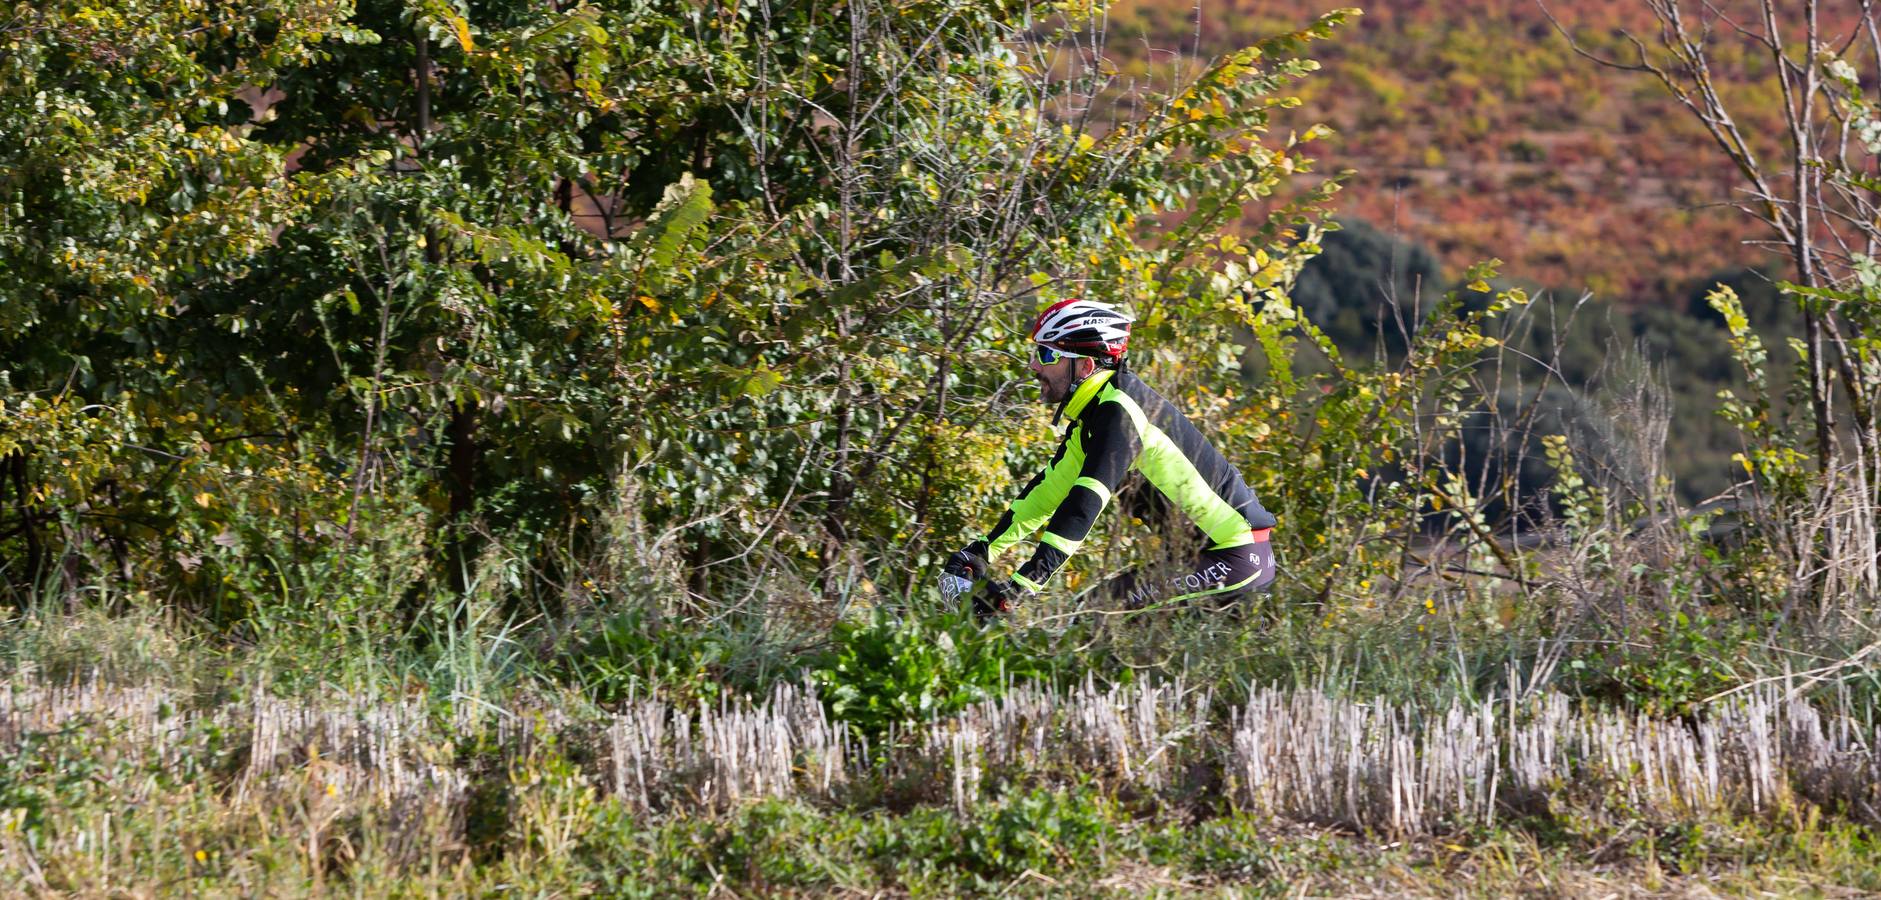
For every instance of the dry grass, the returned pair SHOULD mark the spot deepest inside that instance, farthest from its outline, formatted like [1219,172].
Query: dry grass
[385,785]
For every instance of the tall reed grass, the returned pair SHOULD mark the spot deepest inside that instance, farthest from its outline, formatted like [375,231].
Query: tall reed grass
[402,783]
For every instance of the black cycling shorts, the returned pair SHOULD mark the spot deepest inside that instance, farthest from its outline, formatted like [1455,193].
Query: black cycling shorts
[1226,575]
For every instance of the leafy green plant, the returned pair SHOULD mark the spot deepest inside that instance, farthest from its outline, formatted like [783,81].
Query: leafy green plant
[890,671]
[634,654]
[1036,830]
[1670,667]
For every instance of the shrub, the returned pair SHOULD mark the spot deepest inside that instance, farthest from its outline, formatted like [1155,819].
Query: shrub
[1040,831]
[888,671]
[634,654]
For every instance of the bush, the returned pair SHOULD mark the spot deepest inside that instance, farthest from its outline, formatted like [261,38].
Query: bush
[1672,666]
[634,654]
[1040,831]
[890,671]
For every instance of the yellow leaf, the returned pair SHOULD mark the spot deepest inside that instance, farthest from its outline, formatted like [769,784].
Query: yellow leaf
[204,499]
[649,302]
[463,32]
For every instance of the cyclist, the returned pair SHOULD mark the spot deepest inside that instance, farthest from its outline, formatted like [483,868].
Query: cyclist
[1117,425]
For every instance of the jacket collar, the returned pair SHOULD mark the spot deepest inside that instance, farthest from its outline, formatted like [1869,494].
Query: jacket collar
[1081,397]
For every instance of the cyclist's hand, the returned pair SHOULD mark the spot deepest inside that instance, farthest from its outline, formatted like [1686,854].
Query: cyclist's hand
[997,600]
[961,571]
[954,587]
[968,562]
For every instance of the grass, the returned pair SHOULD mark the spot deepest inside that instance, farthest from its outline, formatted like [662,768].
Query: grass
[1619,733]
[160,763]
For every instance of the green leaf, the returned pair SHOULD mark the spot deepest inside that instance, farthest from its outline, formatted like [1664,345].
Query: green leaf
[686,206]
[761,381]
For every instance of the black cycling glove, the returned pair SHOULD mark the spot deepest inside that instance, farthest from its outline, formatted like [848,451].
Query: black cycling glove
[996,600]
[968,562]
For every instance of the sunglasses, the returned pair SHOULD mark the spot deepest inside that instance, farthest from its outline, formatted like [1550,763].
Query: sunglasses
[1047,356]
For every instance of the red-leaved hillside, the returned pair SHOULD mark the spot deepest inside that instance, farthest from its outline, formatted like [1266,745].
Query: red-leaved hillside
[1474,127]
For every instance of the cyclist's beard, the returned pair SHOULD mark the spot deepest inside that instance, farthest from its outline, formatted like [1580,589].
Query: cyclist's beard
[1054,387]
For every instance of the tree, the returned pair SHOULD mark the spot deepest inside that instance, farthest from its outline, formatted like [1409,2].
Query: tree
[291,271]
[129,180]
[1367,287]
[1811,187]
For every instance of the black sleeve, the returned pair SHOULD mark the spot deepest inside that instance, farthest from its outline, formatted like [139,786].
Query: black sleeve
[1110,443]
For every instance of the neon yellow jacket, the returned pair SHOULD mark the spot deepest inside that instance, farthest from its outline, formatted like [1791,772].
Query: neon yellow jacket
[1118,424]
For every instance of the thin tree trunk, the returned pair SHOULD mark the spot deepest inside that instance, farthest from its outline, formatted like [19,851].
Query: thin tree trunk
[35,545]
[466,457]
[423,124]
[842,484]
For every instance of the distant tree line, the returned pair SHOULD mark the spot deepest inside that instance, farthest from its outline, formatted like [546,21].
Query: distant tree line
[1368,289]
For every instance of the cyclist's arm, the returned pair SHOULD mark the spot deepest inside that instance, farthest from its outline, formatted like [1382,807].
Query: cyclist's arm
[1110,444]
[1041,496]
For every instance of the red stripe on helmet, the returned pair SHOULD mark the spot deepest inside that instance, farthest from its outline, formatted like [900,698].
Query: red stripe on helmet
[1040,321]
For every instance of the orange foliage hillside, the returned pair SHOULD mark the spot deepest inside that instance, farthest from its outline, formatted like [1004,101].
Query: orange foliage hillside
[1474,128]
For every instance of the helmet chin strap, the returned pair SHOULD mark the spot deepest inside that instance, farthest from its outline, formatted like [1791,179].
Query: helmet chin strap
[1077,362]
[1072,389]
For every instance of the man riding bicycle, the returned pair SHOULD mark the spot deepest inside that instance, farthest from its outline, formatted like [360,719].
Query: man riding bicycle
[1118,425]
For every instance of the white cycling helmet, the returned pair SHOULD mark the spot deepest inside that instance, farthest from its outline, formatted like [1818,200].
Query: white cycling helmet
[1084,328]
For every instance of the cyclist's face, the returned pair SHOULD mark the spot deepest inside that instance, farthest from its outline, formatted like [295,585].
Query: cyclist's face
[1057,379]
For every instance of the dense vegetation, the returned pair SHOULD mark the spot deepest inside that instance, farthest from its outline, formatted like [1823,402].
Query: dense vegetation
[485,446]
